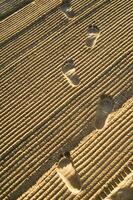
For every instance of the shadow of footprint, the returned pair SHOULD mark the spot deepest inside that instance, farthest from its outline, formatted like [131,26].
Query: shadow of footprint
[69,72]
[105,107]
[94,34]
[66,8]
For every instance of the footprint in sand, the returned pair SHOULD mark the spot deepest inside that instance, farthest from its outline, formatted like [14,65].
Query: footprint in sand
[105,107]
[69,72]
[94,34]
[67,9]
[123,194]
[68,174]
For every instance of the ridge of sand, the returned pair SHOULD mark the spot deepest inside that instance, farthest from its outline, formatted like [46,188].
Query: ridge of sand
[41,112]
[102,160]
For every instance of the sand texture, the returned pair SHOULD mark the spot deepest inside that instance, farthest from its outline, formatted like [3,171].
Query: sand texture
[41,111]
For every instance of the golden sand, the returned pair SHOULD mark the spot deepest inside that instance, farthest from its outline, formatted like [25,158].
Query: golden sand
[42,112]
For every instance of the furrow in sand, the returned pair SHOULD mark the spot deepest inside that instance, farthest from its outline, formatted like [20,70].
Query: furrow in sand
[80,75]
[72,108]
[100,141]
[32,58]
[77,164]
[123,177]
[117,167]
[89,192]
[45,178]
[10,163]
[62,35]
[8,8]
[46,9]
[92,156]
[69,37]
[35,72]
[13,165]
[124,77]
[41,90]
[66,119]
[57,188]
[88,101]
[52,45]
[111,147]
[104,167]
[38,30]
[54,182]
[27,39]
[25,17]
[50,32]
[123,153]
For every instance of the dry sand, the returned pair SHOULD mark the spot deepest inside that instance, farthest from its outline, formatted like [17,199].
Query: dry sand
[42,112]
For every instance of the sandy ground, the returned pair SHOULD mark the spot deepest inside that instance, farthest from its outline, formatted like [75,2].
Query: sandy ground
[126,189]
[43,113]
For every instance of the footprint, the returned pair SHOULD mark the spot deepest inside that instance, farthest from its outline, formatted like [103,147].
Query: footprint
[94,34]
[105,107]
[69,72]
[123,194]
[68,174]
[67,9]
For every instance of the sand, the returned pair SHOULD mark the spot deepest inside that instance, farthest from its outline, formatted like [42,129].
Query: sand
[42,112]
[68,174]
[69,71]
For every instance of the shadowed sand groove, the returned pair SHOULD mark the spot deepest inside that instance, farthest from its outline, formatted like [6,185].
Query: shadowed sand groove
[9,7]
[14,23]
[63,37]
[90,160]
[112,76]
[43,30]
[42,113]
